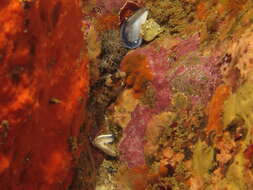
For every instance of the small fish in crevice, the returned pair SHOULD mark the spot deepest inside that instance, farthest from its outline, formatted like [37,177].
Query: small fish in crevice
[104,143]
[130,31]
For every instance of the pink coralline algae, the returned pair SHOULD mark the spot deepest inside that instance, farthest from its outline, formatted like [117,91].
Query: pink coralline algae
[187,71]
[186,46]
[131,146]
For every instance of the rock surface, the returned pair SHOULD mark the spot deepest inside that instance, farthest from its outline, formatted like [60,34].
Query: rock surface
[179,107]
[44,83]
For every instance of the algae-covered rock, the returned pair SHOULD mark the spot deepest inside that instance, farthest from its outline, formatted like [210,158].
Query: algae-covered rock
[180,101]
[203,156]
[150,29]
[238,107]
[240,104]
[235,174]
[234,179]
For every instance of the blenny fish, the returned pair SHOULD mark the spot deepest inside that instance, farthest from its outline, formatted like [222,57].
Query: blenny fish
[102,142]
[131,28]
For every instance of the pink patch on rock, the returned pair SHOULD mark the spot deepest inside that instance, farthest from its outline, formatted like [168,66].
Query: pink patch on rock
[131,147]
[186,46]
[159,66]
[132,144]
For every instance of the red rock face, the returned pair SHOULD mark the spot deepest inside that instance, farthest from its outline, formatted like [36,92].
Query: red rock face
[43,91]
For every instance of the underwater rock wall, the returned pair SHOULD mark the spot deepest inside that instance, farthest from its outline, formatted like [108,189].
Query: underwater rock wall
[44,84]
[182,119]
[179,106]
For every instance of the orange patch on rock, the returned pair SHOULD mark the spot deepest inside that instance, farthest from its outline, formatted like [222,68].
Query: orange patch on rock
[139,180]
[248,153]
[221,8]
[163,168]
[236,6]
[134,178]
[57,166]
[153,177]
[41,58]
[202,10]
[4,163]
[107,22]
[138,72]
[11,14]
[215,108]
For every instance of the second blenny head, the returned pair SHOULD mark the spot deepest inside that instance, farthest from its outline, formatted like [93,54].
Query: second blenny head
[130,30]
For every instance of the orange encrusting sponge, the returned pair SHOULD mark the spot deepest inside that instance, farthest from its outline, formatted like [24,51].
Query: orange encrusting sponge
[138,72]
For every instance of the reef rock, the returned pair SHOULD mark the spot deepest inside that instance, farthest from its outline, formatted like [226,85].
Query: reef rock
[44,83]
